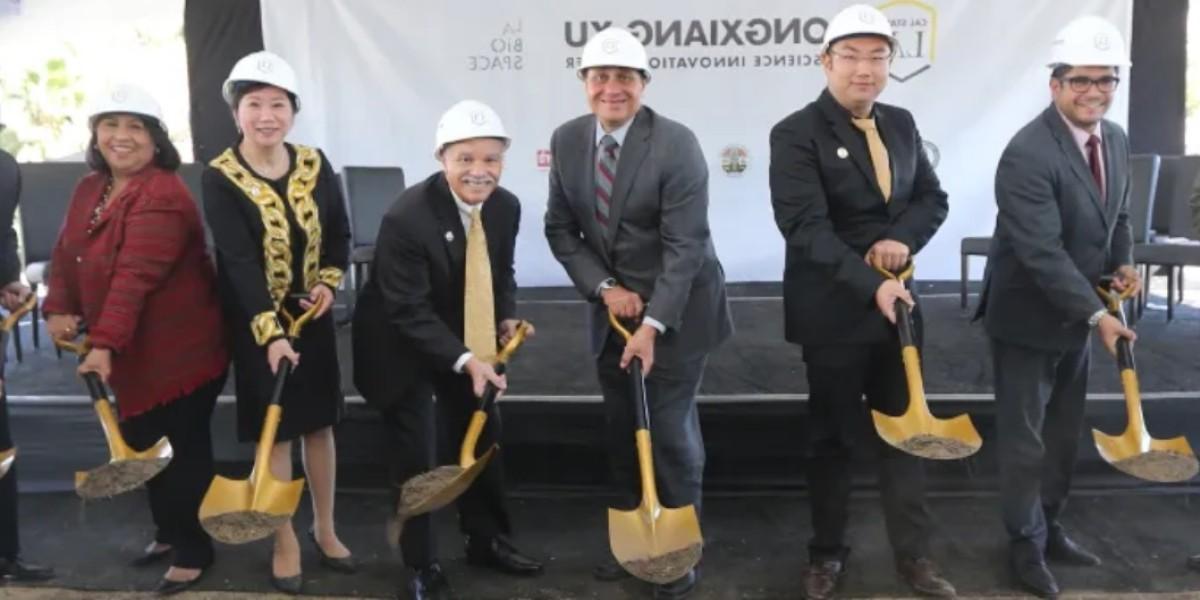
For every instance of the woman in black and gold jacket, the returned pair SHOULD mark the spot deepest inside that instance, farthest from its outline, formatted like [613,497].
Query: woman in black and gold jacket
[281,233]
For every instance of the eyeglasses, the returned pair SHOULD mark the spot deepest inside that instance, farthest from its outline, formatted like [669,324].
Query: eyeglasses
[852,60]
[1082,83]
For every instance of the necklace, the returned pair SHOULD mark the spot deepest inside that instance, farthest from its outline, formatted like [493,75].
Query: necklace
[99,210]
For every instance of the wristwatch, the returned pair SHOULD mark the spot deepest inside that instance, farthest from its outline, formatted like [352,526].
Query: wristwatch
[1094,320]
[607,284]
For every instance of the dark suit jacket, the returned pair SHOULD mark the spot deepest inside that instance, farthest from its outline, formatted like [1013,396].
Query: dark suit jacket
[408,322]
[830,210]
[657,243]
[1054,236]
[10,194]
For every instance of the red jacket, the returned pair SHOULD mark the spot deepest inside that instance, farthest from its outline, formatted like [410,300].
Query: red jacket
[144,285]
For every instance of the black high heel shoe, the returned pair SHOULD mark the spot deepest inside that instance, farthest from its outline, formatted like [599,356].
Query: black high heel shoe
[346,564]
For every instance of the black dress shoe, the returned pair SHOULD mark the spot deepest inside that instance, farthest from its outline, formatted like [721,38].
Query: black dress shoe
[18,570]
[609,570]
[429,583]
[679,589]
[1193,562]
[1035,577]
[498,553]
[289,585]
[822,578]
[151,556]
[166,587]
[1063,549]
[346,564]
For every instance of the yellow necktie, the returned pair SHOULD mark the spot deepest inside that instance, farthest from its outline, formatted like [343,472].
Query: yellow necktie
[479,308]
[879,156]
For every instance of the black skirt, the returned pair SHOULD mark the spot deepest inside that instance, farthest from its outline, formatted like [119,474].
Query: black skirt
[312,397]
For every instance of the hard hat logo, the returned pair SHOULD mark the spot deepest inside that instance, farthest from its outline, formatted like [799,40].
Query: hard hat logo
[119,96]
[1102,41]
[866,17]
[265,66]
[478,118]
[611,47]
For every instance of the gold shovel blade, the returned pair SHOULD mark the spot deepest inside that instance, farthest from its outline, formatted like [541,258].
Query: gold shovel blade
[655,544]
[927,436]
[127,470]
[1160,461]
[437,488]
[239,511]
[6,460]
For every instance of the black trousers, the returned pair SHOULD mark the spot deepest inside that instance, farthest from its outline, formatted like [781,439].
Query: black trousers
[674,424]
[175,493]
[838,378]
[1040,398]
[421,434]
[10,545]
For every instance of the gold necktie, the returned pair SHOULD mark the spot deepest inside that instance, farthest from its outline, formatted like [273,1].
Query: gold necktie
[879,156]
[479,308]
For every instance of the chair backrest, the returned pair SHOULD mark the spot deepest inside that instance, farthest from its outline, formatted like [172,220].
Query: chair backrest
[1143,172]
[46,190]
[370,191]
[1172,210]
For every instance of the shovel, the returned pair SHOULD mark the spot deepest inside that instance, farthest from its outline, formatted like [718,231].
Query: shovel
[242,511]
[128,469]
[651,542]
[432,490]
[917,431]
[1134,452]
[6,326]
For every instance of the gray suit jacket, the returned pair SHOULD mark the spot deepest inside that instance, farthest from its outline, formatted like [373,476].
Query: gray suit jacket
[657,242]
[1054,235]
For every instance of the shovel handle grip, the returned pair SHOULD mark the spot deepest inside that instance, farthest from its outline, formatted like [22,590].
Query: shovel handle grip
[905,274]
[285,369]
[904,324]
[95,386]
[1114,302]
[490,391]
[637,389]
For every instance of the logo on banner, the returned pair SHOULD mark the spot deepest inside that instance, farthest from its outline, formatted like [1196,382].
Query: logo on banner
[932,153]
[503,52]
[735,159]
[915,26]
[543,159]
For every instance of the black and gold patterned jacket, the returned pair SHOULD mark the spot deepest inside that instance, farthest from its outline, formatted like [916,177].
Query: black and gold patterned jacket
[273,238]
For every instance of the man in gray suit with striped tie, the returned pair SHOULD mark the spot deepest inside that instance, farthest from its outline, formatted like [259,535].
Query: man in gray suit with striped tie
[628,219]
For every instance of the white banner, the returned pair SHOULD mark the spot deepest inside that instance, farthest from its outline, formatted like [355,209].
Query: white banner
[377,74]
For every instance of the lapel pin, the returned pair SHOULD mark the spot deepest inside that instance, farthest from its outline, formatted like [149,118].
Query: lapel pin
[449,236]
[842,152]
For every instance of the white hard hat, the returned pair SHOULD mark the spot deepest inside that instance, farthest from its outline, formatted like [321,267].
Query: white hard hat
[467,120]
[1089,41]
[615,47]
[262,67]
[858,19]
[126,98]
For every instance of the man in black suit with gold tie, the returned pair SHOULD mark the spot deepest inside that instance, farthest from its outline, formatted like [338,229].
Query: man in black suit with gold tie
[441,296]
[852,189]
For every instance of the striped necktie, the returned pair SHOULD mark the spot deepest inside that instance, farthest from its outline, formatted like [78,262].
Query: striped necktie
[606,172]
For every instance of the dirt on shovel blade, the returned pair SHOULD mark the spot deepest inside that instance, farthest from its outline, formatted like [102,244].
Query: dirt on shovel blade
[937,448]
[665,568]
[421,488]
[1162,466]
[119,477]
[243,526]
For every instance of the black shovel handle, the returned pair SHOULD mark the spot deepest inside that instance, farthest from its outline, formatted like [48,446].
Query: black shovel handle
[95,386]
[1114,302]
[490,392]
[281,375]
[904,324]
[637,380]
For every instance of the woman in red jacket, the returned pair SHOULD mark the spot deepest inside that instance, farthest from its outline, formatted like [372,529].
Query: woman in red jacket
[130,262]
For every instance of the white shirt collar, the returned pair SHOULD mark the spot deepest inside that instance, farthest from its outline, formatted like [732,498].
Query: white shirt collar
[464,209]
[617,134]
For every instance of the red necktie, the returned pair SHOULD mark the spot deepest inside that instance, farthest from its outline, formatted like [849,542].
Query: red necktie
[1093,148]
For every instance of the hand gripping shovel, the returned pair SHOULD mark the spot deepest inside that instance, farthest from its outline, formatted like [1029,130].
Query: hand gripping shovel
[6,326]
[128,469]
[432,490]
[652,542]
[917,431]
[242,511]
[1134,452]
